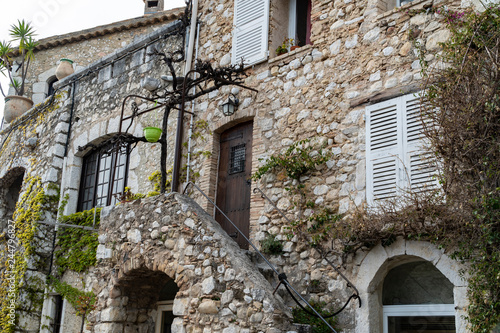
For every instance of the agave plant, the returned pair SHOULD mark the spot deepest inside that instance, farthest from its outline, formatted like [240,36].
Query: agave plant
[15,62]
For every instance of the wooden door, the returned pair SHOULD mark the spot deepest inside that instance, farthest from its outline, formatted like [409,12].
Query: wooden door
[233,187]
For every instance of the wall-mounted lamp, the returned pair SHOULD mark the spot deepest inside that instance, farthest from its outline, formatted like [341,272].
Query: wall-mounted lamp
[230,106]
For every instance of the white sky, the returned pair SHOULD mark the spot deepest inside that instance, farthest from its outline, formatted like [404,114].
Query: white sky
[57,17]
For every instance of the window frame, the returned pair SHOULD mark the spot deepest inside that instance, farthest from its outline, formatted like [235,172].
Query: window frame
[416,310]
[292,22]
[94,181]
[162,306]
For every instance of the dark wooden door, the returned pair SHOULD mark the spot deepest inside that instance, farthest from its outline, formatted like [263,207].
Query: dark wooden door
[233,187]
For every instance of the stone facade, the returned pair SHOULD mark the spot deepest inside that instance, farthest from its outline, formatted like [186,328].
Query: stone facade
[360,53]
[87,46]
[219,288]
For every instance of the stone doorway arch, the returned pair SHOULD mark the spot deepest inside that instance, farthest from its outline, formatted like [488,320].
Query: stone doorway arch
[374,266]
[135,300]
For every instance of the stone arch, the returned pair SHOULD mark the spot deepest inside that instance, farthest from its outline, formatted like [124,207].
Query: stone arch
[169,237]
[374,266]
[41,88]
[211,164]
[10,189]
[136,297]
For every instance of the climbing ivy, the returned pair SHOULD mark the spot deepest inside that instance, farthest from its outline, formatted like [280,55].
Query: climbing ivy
[297,160]
[19,250]
[300,159]
[82,301]
[77,247]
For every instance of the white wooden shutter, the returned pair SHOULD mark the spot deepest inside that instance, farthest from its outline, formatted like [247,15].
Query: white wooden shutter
[420,164]
[383,150]
[251,29]
[397,156]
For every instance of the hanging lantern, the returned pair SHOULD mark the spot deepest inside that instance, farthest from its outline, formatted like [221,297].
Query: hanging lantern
[230,106]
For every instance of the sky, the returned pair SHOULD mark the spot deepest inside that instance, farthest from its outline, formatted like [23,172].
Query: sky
[57,17]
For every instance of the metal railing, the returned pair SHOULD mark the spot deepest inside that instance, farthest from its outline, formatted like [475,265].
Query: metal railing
[320,251]
[281,276]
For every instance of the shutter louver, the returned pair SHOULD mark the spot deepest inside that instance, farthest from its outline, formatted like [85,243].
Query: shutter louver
[383,150]
[251,19]
[383,127]
[420,163]
[384,178]
[396,153]
[422,172]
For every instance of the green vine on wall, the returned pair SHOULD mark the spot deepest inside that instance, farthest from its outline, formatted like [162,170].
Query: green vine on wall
[14,256]
[300,159]
[82,301]
[77,247]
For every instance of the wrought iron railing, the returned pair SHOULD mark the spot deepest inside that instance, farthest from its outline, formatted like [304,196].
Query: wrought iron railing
[355,295]
[281,276]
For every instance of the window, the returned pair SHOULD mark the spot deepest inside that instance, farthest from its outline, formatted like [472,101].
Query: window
[396,158]
[291,19]
[97,171]
[164,317]
[251,27]
[51,89]
[417,297]
[58,306]
[299,21]
[164,314]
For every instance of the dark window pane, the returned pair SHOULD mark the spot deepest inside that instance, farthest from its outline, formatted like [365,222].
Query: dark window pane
[167,318]
[422,324]
[96,177]
[237,159]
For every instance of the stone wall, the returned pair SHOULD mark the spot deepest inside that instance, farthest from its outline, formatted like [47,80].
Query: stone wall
[146,243]
[87,46]
[100,93]
[44,141]
[360,54]
[33,146]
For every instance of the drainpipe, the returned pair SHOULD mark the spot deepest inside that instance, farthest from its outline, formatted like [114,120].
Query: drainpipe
[189,61]
[193,102]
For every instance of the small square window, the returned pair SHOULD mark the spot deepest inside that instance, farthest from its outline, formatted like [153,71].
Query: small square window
[237,159]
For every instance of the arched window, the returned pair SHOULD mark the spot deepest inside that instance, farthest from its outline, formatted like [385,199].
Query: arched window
[51,82]
[417,297]
[98,168]
[10,188]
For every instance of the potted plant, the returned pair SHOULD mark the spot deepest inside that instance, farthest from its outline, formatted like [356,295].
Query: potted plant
[285,46]
[16,61]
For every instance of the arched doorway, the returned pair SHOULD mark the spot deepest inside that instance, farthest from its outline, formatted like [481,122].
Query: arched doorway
[233,186]
[150,296]
[417,297]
